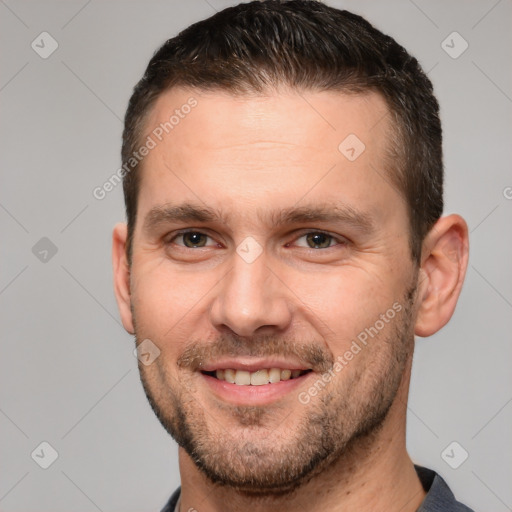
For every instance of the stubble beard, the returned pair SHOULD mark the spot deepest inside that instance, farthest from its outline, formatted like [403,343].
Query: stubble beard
[343,419]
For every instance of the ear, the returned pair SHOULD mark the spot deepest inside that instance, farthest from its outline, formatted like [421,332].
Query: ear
[444,263]
[122,275]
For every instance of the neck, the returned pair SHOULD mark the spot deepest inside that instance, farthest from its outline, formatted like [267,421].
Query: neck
[374,474]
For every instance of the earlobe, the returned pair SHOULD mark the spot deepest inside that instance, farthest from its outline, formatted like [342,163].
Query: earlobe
[442,272]
[122,275]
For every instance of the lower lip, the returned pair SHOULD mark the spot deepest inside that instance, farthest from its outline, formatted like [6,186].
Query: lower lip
[254,395]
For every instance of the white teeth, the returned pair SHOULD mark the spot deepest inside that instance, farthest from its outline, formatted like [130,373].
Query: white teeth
[229,376]
[286,374]
[274,375]
[257,378]
[242,378]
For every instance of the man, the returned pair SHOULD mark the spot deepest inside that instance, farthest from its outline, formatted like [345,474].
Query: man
[283,184]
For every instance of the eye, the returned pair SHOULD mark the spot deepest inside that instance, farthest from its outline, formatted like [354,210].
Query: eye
[190,239]
[318,240]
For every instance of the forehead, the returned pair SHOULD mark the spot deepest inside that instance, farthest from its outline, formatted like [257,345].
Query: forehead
[282,116]
[225,150]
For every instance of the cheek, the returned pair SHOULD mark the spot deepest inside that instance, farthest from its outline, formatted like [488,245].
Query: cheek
[348,299]
[162,301]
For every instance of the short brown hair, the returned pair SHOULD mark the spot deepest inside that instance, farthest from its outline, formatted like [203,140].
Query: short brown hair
[257,46]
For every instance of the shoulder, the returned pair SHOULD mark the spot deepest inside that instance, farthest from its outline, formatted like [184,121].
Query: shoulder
[173,500]
[439,497]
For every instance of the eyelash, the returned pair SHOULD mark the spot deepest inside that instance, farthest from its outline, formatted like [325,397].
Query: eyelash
[341,241]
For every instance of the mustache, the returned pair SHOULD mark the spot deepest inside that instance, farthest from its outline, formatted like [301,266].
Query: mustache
[310,354]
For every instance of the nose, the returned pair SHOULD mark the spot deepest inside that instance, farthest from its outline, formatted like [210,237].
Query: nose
[251,299]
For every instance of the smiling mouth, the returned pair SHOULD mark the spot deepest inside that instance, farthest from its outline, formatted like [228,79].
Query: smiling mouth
[257,378]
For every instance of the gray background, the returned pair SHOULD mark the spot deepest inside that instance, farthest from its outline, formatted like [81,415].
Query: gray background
[68,375]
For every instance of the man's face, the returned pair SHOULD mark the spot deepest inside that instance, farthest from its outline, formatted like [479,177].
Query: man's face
[296,257]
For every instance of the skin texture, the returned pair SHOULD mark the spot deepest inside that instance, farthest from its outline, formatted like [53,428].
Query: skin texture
[249,158]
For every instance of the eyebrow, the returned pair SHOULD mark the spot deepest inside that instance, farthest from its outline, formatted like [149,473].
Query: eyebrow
[327,212]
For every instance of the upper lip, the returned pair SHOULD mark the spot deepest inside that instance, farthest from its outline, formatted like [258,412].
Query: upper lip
[251,364]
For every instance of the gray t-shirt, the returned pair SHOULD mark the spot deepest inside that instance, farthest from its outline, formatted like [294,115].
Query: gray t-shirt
[439,498]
